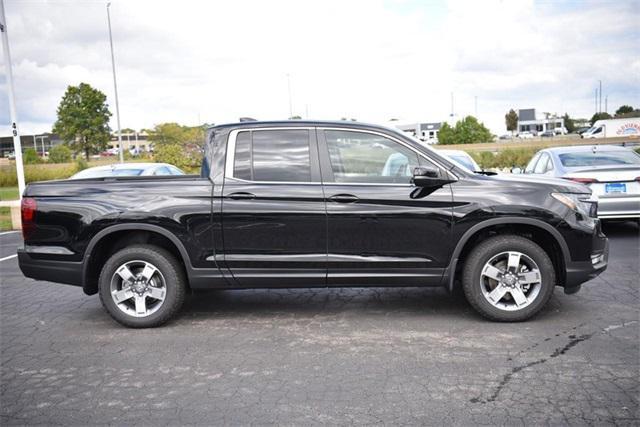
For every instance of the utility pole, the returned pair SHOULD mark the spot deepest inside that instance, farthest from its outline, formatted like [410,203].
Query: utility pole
[606,102]
[115,87]
[452,114]
[596,105]
[600,105]
[289,89]
[17,146]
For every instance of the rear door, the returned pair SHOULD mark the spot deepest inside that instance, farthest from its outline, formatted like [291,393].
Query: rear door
[273,210]
[381,231]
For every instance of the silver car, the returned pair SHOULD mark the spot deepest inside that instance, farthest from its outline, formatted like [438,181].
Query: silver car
[128,169]
[611,172]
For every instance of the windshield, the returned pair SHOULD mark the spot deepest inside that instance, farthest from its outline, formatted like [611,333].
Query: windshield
[101,173]
[599,158]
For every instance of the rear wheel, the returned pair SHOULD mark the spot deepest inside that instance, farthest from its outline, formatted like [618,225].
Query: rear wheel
[508,278]
[142,286]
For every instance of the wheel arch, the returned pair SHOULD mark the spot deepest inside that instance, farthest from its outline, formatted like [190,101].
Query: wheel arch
[103,243]
[547,237]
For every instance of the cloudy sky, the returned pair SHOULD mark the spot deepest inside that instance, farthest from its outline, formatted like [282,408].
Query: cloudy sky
[215,61]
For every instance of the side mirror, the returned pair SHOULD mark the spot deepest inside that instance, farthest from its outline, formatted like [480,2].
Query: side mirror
[429,177]
[516,170]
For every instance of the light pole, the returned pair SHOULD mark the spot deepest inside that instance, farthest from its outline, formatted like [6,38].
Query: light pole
[115,87]
[17,146]
[289,88]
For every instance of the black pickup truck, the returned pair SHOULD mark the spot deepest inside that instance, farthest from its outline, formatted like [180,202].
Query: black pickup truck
[313,204]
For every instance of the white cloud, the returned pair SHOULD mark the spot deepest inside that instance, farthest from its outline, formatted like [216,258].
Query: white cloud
[373,60]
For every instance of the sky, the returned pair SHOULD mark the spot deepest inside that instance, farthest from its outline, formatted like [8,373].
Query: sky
[196,62]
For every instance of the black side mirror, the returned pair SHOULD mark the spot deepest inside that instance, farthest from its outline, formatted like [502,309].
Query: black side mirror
[428,177]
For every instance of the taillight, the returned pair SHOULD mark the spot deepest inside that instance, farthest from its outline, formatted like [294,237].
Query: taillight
[28,213]
[582,180]
[638,178]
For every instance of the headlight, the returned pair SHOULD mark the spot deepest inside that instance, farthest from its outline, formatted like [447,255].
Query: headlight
[583,204]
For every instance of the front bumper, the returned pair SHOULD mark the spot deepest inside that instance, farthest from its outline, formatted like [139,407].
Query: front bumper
[578,272]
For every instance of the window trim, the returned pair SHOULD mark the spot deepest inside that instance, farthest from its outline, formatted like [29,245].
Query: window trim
[321,146]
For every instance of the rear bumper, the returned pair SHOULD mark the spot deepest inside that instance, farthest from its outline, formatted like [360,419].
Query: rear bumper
[578,272]
[66,272]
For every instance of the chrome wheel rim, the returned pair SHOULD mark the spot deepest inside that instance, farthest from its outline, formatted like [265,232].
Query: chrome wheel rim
[138,288]
[510,281]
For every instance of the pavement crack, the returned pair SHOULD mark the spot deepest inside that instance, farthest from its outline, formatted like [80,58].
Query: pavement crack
[573,341]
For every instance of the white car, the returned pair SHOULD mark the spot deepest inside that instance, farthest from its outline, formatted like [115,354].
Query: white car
[525,135]
[128,169]
[611,172]
[461,158]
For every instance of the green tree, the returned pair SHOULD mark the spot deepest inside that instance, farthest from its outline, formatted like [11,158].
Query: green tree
[569,124]
[178,145]
[83,119]
[624,109]
[599,116]
[511,120]
[466,131]
[60,154]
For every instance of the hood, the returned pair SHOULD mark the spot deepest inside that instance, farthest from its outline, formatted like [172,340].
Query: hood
[555,184]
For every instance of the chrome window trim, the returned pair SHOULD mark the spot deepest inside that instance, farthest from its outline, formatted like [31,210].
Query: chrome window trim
[231,154]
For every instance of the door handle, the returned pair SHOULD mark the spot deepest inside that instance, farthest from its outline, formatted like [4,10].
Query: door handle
[241,196]
[343,198]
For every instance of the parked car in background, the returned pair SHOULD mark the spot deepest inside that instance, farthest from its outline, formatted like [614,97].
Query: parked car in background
[128,169]
[461,158]
[611,172]
[548,134]
[506,136]
[11,155]
[525,135]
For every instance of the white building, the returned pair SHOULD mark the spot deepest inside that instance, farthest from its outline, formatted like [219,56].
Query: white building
[131,141]
[529,122]
[427,132]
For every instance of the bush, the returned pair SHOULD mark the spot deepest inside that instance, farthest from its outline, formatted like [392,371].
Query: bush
[178,156]
[60,154]
[30,157]
[81,164]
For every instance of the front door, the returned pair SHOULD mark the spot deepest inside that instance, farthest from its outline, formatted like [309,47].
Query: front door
[381,231]
[274,218]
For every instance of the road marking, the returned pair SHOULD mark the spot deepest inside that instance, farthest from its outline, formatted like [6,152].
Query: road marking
[9,232]
[8,257]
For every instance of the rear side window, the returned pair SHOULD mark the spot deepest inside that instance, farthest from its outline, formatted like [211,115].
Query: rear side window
[273,155]
[541,167]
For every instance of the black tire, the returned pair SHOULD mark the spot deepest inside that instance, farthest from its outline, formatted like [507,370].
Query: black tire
[490,248]
[175,285]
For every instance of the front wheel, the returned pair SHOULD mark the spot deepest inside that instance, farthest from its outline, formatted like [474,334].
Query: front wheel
[508,278]
[142,286]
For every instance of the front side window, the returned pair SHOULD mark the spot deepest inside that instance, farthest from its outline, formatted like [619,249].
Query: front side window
[273,155]
[360,157]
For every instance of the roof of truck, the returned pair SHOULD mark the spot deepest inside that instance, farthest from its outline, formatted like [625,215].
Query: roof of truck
[301,123]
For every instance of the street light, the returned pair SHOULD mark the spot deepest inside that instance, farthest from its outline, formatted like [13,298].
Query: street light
[17,146]
[115,87]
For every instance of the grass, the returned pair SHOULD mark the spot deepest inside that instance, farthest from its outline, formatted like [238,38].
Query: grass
[9,193]
[5,219]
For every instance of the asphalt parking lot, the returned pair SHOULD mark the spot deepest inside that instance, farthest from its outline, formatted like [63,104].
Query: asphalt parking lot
[343,356]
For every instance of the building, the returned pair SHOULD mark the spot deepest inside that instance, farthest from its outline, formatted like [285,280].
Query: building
[427,132]
[131,141]
[529,122]
[42,143]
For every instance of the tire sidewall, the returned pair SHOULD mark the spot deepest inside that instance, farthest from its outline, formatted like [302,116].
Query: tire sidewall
[173,279]
[490,248]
